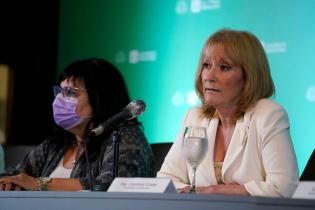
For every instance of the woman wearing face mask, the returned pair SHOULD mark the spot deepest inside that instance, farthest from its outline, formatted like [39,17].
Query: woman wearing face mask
[90,92]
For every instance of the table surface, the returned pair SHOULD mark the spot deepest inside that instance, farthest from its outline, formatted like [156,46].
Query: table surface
[144,201]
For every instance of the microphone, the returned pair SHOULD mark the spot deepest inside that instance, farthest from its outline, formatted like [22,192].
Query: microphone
[132,110]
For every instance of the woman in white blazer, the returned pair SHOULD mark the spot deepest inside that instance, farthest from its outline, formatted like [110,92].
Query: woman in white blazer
[250,150]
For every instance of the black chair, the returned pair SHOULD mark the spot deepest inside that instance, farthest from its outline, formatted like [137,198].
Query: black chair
[309,170]
[14,154]
[160,150]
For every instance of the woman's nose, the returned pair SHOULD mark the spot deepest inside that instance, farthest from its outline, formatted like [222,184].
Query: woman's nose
[210,74]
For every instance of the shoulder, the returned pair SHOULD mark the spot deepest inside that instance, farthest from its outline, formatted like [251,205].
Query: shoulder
[50,143]
[47,147]
[268,116]
[266,108]
[194,115]
[267,105]
[131,131]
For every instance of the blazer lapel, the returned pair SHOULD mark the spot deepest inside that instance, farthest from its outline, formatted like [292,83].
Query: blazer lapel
[237,145]
[205,171]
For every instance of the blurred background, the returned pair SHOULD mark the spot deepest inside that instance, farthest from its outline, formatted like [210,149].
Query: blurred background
[156,45]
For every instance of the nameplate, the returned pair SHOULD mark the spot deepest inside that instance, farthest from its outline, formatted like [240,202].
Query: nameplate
[148,185]
[305,189]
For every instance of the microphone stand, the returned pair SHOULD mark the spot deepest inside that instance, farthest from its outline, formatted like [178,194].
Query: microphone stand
[93,187]
[116,140]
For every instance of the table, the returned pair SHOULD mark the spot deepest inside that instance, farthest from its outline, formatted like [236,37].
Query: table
[143,201]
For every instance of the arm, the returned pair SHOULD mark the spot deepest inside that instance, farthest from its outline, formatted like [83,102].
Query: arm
[224,189]
[278,156]
[25,174]
[24,181]
[135,157]
[174,165]
[31,164]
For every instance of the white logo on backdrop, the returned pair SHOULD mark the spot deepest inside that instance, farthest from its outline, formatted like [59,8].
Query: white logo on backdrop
[179,97]
[196,6]
[310,94]
[192,98]
[275,47]
[136,56]
[181,7]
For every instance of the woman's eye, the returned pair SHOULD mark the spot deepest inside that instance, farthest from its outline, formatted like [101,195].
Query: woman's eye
[206,66]
[225,67]
[73,93]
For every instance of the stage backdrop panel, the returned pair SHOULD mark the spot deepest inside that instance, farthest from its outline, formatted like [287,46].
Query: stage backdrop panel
[156,45]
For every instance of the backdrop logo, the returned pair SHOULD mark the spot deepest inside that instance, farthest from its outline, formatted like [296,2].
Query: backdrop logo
[196,6]
[310,94]
[178,98]
[275,47]
[136,56]
[192,98]
[189,98]
[181,7]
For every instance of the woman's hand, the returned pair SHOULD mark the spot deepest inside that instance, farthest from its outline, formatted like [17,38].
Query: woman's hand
[223,189]
[186,189]
[18,182]
[9,187]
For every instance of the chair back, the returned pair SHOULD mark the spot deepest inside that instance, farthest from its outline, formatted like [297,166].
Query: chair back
[160,150]
[14,154]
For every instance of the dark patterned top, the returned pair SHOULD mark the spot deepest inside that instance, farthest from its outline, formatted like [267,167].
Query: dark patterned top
[135,158]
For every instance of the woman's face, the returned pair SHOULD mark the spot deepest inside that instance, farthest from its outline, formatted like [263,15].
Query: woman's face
[83,108]
[222,79]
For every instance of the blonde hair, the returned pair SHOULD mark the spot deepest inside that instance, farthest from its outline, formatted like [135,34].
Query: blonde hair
[244,49]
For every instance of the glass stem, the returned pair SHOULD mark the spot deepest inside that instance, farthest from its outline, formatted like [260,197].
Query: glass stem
[193,188]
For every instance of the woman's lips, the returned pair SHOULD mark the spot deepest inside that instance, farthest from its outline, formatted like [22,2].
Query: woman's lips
[211,90]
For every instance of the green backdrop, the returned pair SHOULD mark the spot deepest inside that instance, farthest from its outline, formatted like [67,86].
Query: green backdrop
[156,45]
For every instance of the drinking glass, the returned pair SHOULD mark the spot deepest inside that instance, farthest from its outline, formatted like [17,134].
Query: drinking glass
[194,148]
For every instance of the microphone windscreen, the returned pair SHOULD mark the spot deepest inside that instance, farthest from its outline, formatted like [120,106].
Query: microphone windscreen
[136,108]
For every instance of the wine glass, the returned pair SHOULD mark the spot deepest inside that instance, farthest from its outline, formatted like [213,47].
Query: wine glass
[194,148]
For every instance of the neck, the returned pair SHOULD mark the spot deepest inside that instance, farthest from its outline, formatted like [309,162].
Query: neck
[81,136]
[227,117]
[228,122]
[79,139]
[81,131]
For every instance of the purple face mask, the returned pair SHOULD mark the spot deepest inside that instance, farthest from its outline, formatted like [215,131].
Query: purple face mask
[64,112]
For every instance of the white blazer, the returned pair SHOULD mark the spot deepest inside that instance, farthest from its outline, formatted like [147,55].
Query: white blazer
[260,155]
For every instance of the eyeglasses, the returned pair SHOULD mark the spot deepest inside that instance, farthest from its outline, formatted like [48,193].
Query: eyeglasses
[67,92]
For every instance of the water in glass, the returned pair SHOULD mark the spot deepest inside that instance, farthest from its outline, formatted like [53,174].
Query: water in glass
[194,148]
